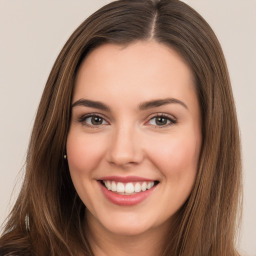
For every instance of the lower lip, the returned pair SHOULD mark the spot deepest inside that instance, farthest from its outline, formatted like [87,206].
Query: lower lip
[126,200]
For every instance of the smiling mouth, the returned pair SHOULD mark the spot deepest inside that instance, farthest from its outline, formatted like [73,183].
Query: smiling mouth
[128,188]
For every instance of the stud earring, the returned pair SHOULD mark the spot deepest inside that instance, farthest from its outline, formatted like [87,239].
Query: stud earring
[65,156]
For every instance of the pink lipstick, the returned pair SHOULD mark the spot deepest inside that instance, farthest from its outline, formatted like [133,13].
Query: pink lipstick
[126,191]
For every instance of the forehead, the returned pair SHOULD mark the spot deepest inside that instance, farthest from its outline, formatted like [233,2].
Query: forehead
[141,70]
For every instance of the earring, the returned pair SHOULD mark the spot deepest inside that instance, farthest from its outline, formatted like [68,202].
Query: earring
[65,156]
[27,223]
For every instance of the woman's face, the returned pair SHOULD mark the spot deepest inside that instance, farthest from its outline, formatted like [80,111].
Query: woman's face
[135,136]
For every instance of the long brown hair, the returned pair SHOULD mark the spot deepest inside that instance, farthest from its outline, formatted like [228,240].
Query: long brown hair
[206,223]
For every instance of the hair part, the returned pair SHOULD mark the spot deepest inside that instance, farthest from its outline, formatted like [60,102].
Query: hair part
[205,225]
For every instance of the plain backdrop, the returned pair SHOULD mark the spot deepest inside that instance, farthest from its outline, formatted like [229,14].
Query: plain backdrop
[33,32]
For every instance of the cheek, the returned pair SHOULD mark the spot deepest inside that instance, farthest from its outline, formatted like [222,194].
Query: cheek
[84,152]
[176,156]
[177,161]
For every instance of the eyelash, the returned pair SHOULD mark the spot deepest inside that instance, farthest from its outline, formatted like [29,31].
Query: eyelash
[83,118]
[170,120]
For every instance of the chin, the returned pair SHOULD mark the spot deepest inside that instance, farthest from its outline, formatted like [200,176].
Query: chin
[128,229]
[129,224]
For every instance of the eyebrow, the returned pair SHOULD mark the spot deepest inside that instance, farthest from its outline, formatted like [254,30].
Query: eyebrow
[160,102]
[91,104]
[143,106]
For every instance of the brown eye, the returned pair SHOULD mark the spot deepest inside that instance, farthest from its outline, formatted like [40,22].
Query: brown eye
[93,120]
[96,120]
[161,121]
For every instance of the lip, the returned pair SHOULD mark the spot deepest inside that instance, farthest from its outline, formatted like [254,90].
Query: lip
[125,200]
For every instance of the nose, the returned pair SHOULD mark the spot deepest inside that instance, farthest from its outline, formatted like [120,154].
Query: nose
[125,147]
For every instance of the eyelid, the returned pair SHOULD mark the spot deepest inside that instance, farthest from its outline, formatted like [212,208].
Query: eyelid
[172,119]
[82,118]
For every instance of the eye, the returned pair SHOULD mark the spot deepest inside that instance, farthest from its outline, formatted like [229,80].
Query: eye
[161,120]
[93,120]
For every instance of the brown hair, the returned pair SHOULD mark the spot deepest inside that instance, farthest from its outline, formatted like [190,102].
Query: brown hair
[206,223]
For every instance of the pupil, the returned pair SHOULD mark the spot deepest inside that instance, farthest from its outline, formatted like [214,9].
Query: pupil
[96,120]
[161,121]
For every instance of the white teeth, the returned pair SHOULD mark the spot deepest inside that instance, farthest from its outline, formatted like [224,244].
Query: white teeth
[113,186]
[108,185]
[128,188]
[137,187]
[120,187]
[150,185]
[144,186]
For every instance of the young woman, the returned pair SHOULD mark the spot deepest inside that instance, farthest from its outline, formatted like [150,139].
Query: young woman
[135,146]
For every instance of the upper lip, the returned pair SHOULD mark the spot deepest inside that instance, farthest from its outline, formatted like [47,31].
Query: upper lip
[125,179]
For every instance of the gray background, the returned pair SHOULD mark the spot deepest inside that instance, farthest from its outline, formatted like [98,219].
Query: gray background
[33,32]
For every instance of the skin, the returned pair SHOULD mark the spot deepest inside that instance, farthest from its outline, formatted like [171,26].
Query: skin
[129,142]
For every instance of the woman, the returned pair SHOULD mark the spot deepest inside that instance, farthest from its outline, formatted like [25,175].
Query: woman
[135,146]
